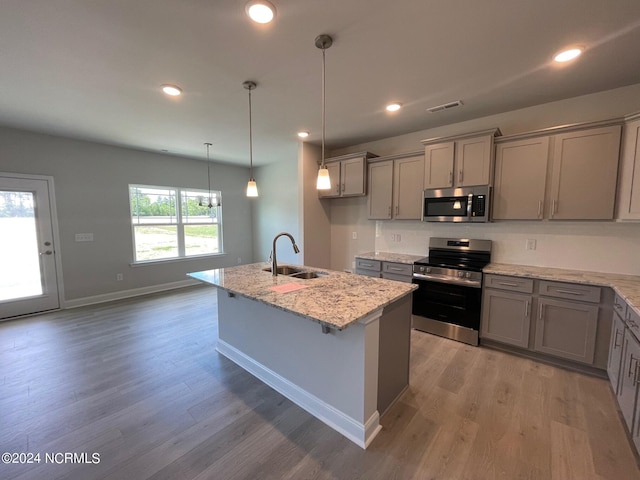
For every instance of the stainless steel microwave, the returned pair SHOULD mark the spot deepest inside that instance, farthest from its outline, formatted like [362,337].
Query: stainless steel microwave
[468,204]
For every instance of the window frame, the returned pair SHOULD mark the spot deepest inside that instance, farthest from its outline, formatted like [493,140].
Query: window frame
[178,222]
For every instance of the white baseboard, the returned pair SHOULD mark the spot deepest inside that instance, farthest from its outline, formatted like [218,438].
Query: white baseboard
[359,433]
[134,292]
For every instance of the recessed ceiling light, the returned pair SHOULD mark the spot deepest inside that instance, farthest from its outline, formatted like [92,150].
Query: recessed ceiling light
[172,90]
[303,134]
[569,54]
[260,11]
[394,107]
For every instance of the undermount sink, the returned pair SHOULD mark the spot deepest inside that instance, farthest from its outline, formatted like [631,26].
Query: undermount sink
[308,275]
[284,270]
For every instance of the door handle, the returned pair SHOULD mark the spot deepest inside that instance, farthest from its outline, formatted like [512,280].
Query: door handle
[48,252]
[526,309]
[634,369]
[450,177]
[460,176]
[540,208]
[397,209]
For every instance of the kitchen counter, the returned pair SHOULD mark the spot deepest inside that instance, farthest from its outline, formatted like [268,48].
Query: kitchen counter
[627,286]
[391,257]
[336,300]
[346,377]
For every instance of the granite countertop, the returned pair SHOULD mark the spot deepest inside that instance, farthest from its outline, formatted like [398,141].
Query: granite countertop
[391,257]
[627,286]
[336,300]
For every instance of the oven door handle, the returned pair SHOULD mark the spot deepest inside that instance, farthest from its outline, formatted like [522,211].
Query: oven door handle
[454,281]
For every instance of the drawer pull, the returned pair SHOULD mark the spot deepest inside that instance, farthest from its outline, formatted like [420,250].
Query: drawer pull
[617,306]
[636,376]
[366,264]
[396,269]
[508,284]
[570,292]
[615,341]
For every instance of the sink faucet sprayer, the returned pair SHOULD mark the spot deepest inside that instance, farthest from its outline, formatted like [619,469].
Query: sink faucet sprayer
[274,262]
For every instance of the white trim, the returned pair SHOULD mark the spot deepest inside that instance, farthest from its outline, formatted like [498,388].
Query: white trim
[134,292]
[53,213]
[359,433]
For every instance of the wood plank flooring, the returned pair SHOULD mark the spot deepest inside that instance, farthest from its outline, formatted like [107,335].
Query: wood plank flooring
[139,382]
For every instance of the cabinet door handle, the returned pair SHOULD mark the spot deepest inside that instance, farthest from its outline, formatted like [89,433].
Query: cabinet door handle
[615,341]
[570,292]
[636,375]
[389,211]
[338,188]
[460,176]
[540,312]
[397,209]
[540,203]
[617,306]
[526,309]
[450,177]
[343,189]
[507,284]
[633,370]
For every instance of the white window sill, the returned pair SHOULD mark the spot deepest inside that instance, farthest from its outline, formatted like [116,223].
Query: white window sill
[174,260]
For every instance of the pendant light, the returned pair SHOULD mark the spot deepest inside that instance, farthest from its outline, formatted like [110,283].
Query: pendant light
[210,204]
[324,181]
[252,188]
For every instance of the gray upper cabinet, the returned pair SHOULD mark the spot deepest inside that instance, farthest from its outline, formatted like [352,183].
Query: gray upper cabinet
[380,202]
[520,179]
[459,161]
[334,176]
[629,180]
[395,187]
[565,173]
[584,174]
[438,165]
[348,175]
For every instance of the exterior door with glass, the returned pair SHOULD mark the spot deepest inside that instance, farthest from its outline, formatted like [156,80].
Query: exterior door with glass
[28,272]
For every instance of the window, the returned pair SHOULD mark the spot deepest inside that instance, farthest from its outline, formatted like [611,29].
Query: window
[171,222]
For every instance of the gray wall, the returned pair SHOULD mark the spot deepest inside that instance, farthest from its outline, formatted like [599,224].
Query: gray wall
[91,185]
[276,210]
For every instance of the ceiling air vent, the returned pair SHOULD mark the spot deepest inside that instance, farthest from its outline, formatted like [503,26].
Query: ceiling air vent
[446,106]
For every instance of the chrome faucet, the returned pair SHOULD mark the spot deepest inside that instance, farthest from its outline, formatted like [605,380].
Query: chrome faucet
[274,262]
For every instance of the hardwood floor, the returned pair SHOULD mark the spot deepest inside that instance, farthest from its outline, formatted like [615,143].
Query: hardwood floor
[139,383]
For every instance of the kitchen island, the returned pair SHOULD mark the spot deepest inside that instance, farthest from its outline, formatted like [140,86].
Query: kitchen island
[336,345]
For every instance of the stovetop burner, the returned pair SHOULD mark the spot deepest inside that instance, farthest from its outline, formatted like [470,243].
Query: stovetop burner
[457,254]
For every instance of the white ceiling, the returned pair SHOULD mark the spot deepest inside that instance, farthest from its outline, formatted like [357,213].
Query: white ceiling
[92,69]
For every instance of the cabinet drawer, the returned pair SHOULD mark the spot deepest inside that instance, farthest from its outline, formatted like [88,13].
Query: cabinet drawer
[396,277]
[397,268]
[570,291]
[620,306]
[632,320]
[364,264]
[512,284]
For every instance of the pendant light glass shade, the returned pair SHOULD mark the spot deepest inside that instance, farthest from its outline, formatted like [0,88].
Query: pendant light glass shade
[252,188]
[324,180]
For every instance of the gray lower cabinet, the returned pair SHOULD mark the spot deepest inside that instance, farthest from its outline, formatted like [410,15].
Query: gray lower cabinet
[370,268]
[615,350]
[629,379]
[506,314]
[401,272]
[566,329]
[547,317]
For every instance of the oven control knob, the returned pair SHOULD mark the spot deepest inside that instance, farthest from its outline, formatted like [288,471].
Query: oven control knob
[460,274]
[428,269]
[468,274]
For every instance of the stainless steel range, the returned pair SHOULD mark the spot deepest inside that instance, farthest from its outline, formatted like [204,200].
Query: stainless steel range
[448,300]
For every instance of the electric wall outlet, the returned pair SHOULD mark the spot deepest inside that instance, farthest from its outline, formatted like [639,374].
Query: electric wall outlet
[531,244]
[84,237]
[354,235]
[119,277]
